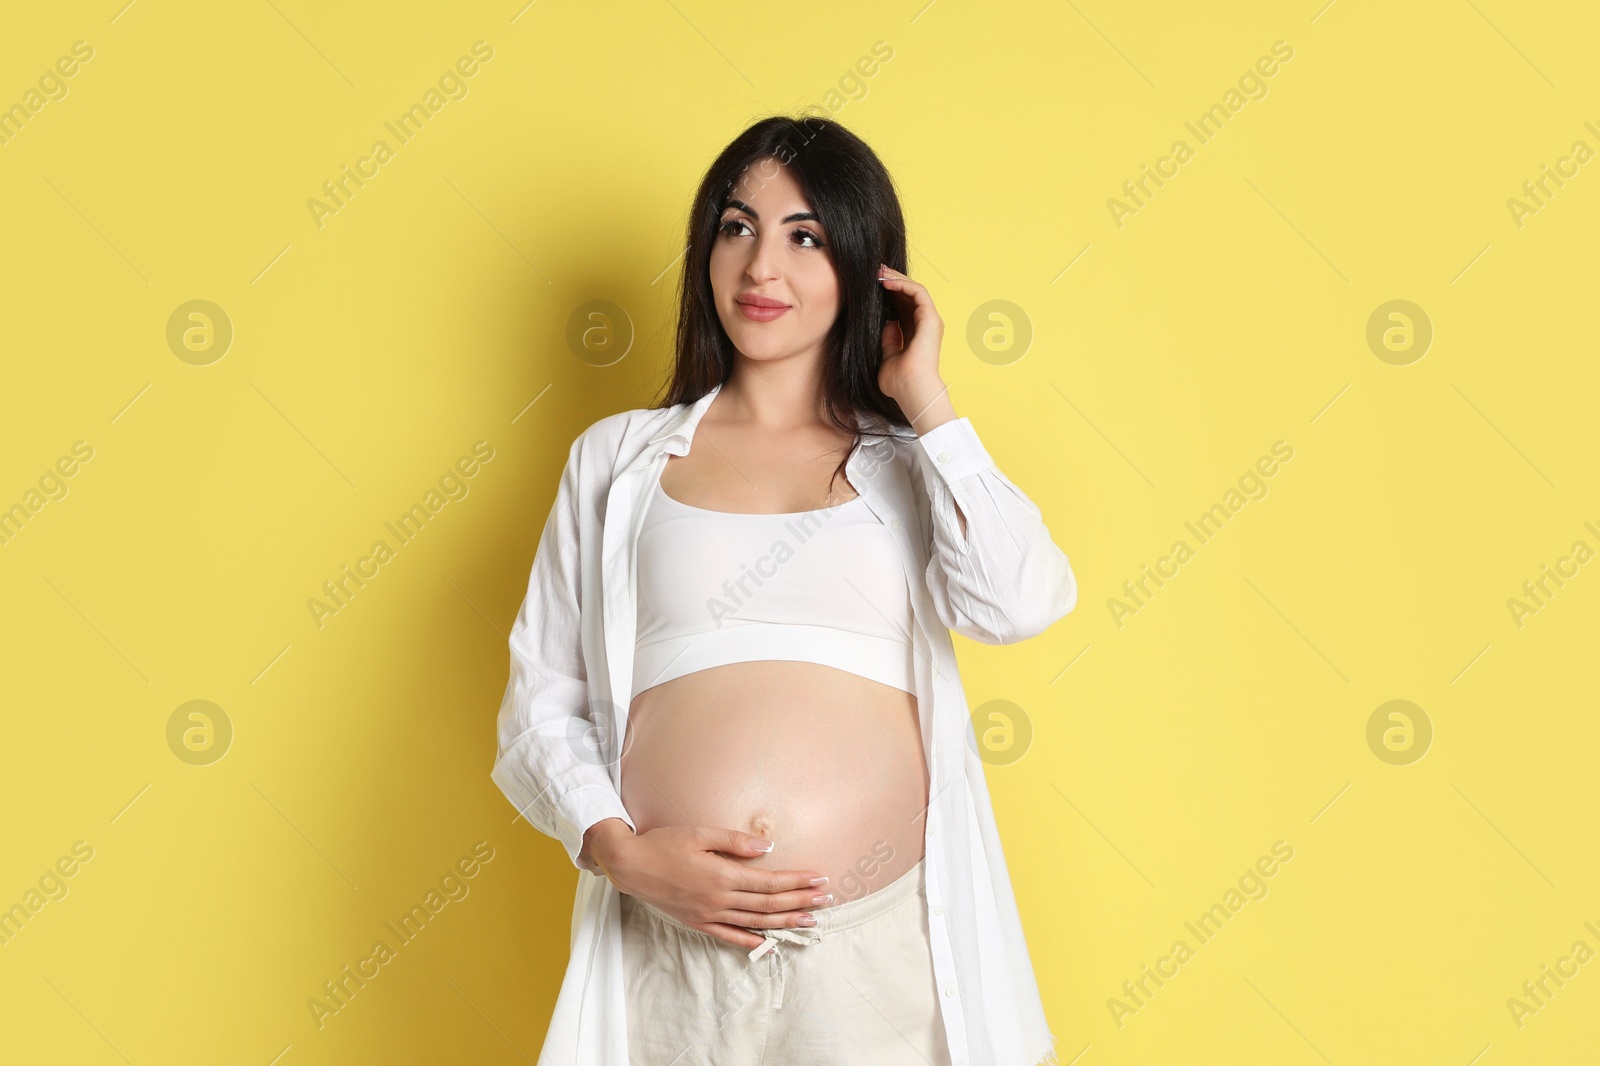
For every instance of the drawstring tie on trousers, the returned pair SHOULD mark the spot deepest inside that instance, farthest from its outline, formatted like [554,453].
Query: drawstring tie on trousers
[802,936]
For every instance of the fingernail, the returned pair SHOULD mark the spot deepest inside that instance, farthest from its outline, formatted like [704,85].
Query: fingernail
[761,844]
[806,919]
[822,901]
[818,882]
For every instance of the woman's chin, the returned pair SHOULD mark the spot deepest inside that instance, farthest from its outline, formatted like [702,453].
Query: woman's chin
[761,347]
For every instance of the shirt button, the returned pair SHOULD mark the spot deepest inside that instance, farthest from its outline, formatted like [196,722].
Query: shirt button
[950,992]
[943,457]
[895,522]
[938,910]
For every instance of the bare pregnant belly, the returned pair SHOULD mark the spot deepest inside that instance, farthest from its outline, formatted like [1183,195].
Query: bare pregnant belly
[825,763]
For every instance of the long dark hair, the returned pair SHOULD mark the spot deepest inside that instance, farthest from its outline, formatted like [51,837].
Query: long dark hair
[854,197]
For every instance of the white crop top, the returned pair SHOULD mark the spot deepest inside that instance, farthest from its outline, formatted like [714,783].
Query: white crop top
[716,587]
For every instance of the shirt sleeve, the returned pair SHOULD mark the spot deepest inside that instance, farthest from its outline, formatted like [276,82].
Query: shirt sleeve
[1004,580]
[549,761]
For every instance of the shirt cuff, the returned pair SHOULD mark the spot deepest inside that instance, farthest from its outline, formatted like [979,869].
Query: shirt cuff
[954,450]
[587,806]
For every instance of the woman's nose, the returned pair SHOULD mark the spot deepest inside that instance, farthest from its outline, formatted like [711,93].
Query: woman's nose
[763,261]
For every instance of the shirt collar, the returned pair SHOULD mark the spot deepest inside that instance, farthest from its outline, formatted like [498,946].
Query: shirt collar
[679,428]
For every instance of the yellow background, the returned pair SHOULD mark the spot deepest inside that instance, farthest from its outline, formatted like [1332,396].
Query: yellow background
[1169,752]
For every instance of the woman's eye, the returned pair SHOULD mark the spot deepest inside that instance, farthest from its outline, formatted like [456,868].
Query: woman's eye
[733,226]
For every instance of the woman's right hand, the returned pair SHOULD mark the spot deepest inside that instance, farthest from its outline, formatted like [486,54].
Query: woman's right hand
[694,874]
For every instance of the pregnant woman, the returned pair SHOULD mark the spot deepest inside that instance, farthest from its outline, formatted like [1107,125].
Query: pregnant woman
[734,698]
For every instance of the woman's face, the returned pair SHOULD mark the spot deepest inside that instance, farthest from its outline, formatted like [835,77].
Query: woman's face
[770,246]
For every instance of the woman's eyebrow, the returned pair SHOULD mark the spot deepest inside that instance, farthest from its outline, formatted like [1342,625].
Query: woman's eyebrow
[798,216]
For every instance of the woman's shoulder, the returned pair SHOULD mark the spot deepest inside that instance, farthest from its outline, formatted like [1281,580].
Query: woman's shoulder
[893,438]
[611,441]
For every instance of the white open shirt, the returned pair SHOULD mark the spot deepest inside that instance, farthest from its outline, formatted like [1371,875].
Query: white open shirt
[561,723]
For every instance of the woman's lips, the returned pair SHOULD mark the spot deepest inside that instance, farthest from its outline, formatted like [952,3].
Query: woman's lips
[759,314]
